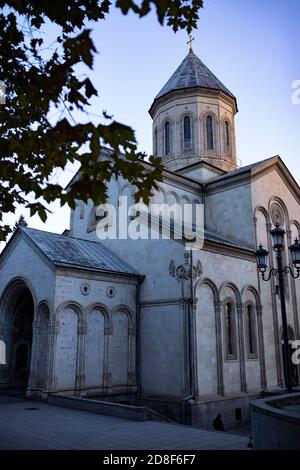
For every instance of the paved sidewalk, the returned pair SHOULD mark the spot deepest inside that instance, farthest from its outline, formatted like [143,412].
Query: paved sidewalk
[33,425]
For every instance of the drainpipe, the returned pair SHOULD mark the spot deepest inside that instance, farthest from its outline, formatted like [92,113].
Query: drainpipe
[138,339]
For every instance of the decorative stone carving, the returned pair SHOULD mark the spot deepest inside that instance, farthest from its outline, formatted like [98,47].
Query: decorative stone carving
[110,292]
[185,271]
[172,268]
[276,214]
[85,288]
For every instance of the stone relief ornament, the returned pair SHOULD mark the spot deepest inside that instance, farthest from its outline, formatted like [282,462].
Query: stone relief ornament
[185,271]
[172,268]
[110,292]
[276,214]
[85,288]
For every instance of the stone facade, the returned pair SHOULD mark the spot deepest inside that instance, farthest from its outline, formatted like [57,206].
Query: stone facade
[129,329]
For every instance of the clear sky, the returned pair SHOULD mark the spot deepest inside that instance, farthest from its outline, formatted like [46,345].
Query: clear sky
[252,46]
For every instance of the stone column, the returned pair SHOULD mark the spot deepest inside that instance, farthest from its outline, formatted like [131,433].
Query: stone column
[80,369]
[241,341]
[53,331]
[194,334]
[33,377]
[261,348]
[219,348]
[131,372]
[107,361]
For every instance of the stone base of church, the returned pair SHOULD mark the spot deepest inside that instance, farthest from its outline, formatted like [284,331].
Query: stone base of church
[234,409]
[171,407]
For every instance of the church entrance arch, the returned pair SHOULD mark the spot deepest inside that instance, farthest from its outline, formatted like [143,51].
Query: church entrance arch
[16,318]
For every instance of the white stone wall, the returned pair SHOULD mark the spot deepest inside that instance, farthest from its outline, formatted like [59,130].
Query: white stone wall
[196,104]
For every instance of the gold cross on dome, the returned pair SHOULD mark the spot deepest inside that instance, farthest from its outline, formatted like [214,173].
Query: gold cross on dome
[191,39]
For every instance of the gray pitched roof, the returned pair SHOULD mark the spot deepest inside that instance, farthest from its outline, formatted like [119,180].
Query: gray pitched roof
[240,171]
[191,73]
[75,252]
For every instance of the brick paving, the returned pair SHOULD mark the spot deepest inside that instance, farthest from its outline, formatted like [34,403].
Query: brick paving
[34,425]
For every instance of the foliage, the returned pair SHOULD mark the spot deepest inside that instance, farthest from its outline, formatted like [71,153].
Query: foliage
[20,223]
[40,79]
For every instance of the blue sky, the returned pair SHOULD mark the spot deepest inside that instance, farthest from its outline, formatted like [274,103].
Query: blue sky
[253,46]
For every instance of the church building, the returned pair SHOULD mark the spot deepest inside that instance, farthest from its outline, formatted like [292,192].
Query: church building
[188,333]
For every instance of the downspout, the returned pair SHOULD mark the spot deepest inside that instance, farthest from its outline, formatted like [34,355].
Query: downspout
[138,339]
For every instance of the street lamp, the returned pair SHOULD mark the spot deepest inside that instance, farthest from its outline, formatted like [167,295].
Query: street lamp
[266,273]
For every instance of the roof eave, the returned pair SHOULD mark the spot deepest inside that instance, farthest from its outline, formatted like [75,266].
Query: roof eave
[151,110]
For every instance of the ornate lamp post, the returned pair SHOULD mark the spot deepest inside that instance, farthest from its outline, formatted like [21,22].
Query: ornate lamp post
[266,273]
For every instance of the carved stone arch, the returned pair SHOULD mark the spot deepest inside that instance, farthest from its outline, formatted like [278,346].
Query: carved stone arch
[162,191]
[264,211]
[277,200]
[185,198]
[44,304]
[215,123]
[74,306]
[296,224]
[229,151]
[174,194]
[102,309]
[10,295]
[191,115]
[234,288]
[255,293]
[165,120]
[18,307]
[210,284]
[123,308]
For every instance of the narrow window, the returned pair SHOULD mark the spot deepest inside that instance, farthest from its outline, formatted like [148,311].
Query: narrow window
[227,133]
[167,138]
[186,132]
[229,328]
[155,143]
[250,329]
[209,133]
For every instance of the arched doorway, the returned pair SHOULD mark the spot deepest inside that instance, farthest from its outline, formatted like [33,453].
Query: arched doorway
[294,369]
[16,318]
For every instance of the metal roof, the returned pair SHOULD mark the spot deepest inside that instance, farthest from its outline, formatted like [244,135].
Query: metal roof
[240,171]
[76,252]
[191,73]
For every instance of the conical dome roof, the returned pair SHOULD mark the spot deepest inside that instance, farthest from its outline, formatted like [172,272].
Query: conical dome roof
[192,73]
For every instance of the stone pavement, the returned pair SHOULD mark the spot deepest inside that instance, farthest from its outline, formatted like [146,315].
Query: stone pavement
[33,425]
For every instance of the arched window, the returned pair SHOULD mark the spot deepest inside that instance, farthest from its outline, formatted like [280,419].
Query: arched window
[250,330]
[230,331]
[167,138]
[209,133]
[187,135]
[226,134]
[155,143]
